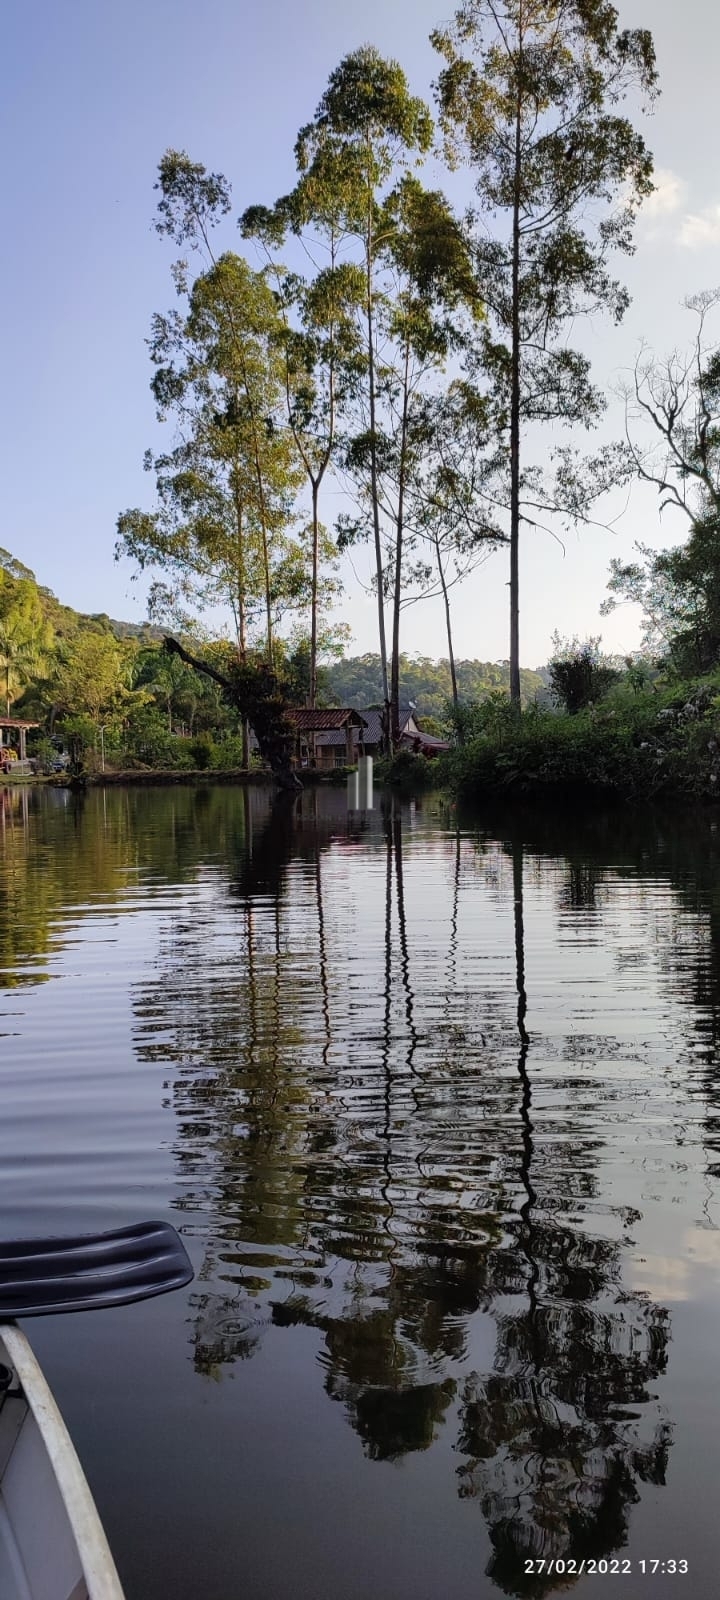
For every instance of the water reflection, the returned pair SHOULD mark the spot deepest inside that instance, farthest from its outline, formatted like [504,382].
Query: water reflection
[431,1089]
[376,1175]
[555,1441]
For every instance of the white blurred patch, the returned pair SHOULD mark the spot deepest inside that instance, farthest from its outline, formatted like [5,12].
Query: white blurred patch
[700,229]
[667,197]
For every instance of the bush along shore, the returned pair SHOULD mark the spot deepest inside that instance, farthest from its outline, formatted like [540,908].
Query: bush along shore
[655,741]
[640,744]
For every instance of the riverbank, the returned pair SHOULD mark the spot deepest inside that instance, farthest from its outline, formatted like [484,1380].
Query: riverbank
[641,748]
[162,777]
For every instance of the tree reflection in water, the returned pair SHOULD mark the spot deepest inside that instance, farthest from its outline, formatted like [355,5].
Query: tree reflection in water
[555,1442]
[362,1158]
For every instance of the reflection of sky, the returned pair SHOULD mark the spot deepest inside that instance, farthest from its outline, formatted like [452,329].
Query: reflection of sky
[351,1164]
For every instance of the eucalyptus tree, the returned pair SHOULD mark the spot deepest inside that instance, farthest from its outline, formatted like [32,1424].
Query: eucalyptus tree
[219,372]
[528,94]
[429,295]
[418,323]
[366,130]
[320,344]
[454,509]
[226,492]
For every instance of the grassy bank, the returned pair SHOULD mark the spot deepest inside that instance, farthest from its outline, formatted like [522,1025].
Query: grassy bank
[652,744]
[156,777]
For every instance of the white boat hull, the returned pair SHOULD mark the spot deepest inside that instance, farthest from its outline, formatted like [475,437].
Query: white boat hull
[52,1544]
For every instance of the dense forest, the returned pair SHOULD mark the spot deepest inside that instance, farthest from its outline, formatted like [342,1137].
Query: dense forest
[426,684]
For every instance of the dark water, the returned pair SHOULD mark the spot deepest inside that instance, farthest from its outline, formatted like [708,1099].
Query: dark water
[435,1104]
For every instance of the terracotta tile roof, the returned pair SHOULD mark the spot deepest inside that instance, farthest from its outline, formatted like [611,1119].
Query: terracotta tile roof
[319,720]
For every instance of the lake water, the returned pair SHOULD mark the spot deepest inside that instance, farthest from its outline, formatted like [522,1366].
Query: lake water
[434,1102]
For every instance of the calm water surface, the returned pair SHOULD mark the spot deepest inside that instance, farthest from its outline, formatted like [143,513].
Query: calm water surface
[434,1101]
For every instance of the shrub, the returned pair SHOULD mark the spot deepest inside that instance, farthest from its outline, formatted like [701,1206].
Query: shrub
[579,674]
[632,745]
[200,751]
[227,755]
[43,751]
[408,772]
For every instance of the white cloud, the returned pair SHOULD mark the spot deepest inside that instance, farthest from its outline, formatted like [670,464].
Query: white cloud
[700,228]
[667,196]
[695,230]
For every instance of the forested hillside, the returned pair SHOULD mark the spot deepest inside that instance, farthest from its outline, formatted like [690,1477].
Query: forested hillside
[357,681]
[72,673]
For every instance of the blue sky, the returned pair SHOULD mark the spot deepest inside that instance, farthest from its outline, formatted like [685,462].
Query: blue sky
[92,94]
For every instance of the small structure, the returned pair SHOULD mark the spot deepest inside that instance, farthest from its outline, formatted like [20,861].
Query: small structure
[368,741]
[15,725]
[338,736]
[326,737]
[423,744]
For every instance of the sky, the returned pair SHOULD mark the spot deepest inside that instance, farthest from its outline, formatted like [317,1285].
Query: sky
[93,93]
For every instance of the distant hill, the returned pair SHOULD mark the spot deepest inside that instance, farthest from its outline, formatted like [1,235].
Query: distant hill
[65,620]
[356,681]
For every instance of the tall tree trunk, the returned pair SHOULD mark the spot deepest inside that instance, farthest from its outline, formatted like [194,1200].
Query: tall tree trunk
[374,473]
[268,599]
[264,530]
[397,593]
[515,421]
[241,626]
[451,653]
[315,473]
[240,574]
[314,594]
[263,523]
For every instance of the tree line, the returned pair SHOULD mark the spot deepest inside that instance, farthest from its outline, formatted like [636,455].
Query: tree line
[384,344]
[390,348]
[74,674]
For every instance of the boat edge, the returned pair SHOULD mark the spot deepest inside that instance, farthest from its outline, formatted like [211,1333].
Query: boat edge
[99,1570]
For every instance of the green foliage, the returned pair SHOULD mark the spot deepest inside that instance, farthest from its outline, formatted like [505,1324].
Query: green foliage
[25,634]
[225,493]
[528,97]
[148,739]
[679,592]
[91,679]
[356,681]
[639,743]
[80,727]
[407,772]
[201,751]
[494,715]
[579,674]
[227,755]
[43,751]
